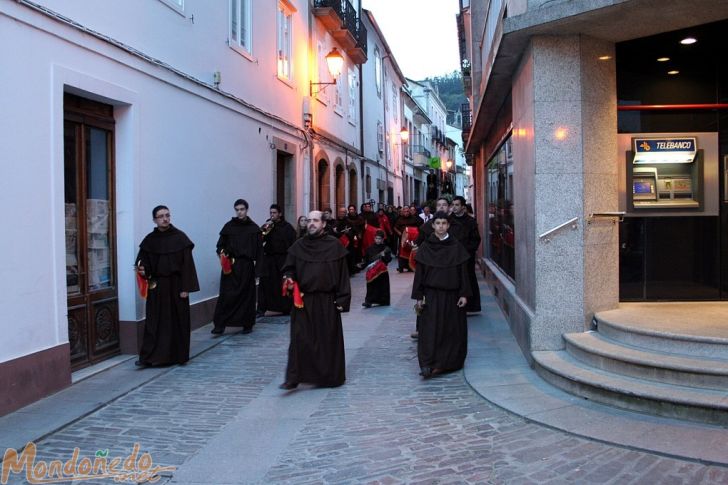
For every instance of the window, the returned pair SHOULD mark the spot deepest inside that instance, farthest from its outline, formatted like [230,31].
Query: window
[177,5]
[380,138]
[500,231]
[395,104]
[378,71]
[284,40]
[240,23]
[339,99]
[353,99]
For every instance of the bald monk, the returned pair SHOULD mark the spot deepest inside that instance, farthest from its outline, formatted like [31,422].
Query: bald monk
[316,271]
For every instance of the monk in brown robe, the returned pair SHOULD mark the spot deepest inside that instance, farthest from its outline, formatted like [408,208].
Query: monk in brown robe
[240,242]
[441,288]
[316,267]
[165,260]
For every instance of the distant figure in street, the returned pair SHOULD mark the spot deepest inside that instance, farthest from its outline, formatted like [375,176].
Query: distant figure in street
[377,257]
[301,226]
[426,214]
[465,229]
[329,218]
[356,223]
[239,249]
[370,228]
[385,225]
[441,205]
[316,275]
[165,262]
[278,235]
[406,229]
[441,288]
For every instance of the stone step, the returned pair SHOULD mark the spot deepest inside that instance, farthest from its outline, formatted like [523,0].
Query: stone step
[566,372]
[661,340]
[598,351]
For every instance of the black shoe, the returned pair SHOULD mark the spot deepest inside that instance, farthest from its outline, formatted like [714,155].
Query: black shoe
[366,305]
[217,331]
[247,331]
[415,335]
[399,270]
[259,314]
[139,363]
[287,386]
[426,372]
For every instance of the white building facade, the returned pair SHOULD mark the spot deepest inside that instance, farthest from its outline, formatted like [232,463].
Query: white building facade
[123,120]
[382,120]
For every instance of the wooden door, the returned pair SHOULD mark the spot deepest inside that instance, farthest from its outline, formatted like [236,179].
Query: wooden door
[93,322]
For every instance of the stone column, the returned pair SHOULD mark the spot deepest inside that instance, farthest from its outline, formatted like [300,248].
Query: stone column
[574,173]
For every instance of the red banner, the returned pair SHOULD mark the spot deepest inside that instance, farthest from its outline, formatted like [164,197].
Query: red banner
[295,292]
[375,269]
[226,263]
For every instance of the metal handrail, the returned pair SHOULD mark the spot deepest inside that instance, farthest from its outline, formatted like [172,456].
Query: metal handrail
[596,215]
[546,236]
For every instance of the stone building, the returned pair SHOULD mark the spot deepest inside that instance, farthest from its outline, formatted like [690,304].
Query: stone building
[598,144]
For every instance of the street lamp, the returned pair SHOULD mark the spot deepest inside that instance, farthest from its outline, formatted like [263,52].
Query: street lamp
[335,62]
[448,164]
[404,134]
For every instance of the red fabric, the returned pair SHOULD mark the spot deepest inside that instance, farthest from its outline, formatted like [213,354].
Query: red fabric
[411,260]
[375,269]
[409,236]
[295,293]
[344,240]
[143,285]
[368,237]
[226,263]
[385,225]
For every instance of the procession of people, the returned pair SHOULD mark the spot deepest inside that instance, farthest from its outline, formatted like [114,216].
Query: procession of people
[304,273]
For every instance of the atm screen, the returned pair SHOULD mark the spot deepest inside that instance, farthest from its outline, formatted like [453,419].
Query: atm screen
[641,187]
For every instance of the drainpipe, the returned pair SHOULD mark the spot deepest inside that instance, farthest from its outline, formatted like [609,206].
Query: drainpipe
[362,162]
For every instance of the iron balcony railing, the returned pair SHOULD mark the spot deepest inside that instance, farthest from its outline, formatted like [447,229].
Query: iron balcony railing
[417,149]
[361,35]
[349,19]
[467,117]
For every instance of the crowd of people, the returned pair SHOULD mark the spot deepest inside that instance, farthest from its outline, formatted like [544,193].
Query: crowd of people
[304,271]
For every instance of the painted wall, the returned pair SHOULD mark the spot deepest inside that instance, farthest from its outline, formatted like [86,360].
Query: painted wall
[177,143]
[200,47]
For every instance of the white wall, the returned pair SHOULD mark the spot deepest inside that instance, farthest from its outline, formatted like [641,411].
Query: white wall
[177,143]
[200,48]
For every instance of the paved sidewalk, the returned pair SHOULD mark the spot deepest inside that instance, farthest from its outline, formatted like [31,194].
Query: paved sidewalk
[497,370]
[221,419]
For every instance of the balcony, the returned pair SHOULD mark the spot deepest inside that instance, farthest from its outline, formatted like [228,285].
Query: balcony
[330,13]
[359,53]
[420,149]
[420,156]
[467,121]
[341,20]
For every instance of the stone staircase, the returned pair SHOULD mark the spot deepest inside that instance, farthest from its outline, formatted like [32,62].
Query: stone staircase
[665,372]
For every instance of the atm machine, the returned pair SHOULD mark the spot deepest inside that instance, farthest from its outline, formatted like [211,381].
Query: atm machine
[665,174]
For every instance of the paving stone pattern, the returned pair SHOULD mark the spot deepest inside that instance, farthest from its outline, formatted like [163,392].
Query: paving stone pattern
[384,426]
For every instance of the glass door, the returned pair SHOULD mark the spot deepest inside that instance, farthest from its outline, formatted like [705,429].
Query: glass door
[93,324]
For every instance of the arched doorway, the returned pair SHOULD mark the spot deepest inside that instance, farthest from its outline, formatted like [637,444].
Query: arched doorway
[353,188]
[324,185]
[340,188]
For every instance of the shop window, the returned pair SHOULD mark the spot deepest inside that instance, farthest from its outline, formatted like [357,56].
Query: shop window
[500,231]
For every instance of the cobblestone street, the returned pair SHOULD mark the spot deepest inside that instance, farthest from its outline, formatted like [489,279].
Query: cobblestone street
[221,419]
